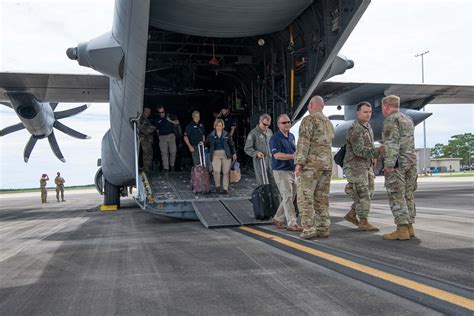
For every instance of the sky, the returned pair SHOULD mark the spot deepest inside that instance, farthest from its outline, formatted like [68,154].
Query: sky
[35,34]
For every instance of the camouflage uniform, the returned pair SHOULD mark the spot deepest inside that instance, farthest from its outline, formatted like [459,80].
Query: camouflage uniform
[399,142]
[146,129]
[313,152]
[360,151]
[59,181]
[44,192]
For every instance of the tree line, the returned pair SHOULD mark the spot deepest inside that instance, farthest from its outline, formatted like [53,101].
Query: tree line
[459,146]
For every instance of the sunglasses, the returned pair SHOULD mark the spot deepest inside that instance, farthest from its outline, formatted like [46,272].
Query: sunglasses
[161,112]
[265,124]
[286,122]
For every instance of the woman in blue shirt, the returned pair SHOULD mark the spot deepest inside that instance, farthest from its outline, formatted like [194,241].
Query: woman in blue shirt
[221,151]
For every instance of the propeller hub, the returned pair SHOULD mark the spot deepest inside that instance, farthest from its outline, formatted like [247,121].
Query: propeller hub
[71,53]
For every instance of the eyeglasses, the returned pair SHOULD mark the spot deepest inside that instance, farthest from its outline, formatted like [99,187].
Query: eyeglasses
[286,122]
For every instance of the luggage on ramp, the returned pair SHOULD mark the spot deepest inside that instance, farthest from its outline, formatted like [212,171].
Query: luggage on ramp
[200,174]
[263,201]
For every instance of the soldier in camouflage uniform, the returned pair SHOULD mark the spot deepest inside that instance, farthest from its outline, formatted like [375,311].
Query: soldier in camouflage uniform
[400,167]
[146,129]
[313,168]
[59,181]
[44,192]
[360,152]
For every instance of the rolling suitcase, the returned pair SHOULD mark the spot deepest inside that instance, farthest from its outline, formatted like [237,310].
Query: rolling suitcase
[264,206]
[200,174]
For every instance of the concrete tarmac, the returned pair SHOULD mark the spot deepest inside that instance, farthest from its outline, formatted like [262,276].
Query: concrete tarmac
[67,258]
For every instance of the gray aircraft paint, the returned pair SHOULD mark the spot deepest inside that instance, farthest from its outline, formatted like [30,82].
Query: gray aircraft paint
[126,94]
[126,43]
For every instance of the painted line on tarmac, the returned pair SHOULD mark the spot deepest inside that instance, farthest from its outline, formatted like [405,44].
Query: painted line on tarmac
[433,293]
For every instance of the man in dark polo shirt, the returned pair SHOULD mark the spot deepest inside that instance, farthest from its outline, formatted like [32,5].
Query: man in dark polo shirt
[230,123]
[193,135]
[166,131]
[282,146]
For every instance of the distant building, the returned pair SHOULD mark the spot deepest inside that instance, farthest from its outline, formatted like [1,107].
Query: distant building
[423,155]
[446,164]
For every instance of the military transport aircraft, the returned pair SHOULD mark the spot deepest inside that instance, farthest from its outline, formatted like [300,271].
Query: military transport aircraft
[255,56]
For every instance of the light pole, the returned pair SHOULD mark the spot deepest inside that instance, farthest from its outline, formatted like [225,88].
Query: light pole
[424,121]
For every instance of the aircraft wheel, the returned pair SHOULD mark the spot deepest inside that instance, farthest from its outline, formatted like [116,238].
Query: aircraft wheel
[111,194]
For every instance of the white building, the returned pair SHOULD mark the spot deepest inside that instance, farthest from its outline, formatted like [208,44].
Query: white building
[446,164]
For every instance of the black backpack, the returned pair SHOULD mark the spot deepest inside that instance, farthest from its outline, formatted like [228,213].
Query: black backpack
[339,156]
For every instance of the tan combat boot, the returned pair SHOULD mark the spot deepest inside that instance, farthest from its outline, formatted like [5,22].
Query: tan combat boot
[309,234]
[365,226]
[411,230]
[351,217]
[401,233]
[323,234]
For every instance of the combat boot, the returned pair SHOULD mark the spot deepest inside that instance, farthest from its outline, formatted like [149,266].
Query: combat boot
[401,233]
[411,230]
[323,234]
[351,217]
[365,226]
[309,234]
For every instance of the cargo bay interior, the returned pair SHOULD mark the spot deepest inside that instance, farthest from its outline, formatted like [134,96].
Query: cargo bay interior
[264,63]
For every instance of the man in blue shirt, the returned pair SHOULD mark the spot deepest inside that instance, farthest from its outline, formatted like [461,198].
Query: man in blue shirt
[194,134]
[166,131]
[230,123]
[283,147]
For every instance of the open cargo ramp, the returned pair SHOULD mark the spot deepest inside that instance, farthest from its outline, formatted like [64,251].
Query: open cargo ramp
[226,213]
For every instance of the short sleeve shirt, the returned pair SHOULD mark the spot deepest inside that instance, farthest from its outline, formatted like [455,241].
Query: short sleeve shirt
[164,126]
[279,143]
[194,131]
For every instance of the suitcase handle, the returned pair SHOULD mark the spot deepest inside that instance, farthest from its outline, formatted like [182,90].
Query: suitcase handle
[202,156]
[264,171]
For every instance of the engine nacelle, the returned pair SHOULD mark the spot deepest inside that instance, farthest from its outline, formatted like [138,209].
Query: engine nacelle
[338,67]
[102,53]
[37,117]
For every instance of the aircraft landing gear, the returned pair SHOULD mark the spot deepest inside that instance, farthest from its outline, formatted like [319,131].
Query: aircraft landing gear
[111,194]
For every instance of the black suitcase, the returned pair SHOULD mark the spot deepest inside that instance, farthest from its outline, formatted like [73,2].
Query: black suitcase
[263,201]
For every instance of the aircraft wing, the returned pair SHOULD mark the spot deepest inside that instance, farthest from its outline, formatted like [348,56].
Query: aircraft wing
[413,96]
[56,87]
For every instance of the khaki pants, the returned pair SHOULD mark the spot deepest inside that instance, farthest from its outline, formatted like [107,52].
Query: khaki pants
[286,183]
[168,150]
[220,162]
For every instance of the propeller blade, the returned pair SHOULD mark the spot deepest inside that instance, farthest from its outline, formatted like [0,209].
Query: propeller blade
[67,130]
[11,129]
[55,147]
[70,112]
[53,105]
[28,148]
[7,104]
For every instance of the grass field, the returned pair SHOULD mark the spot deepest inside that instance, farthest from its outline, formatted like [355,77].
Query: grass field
[78,187]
